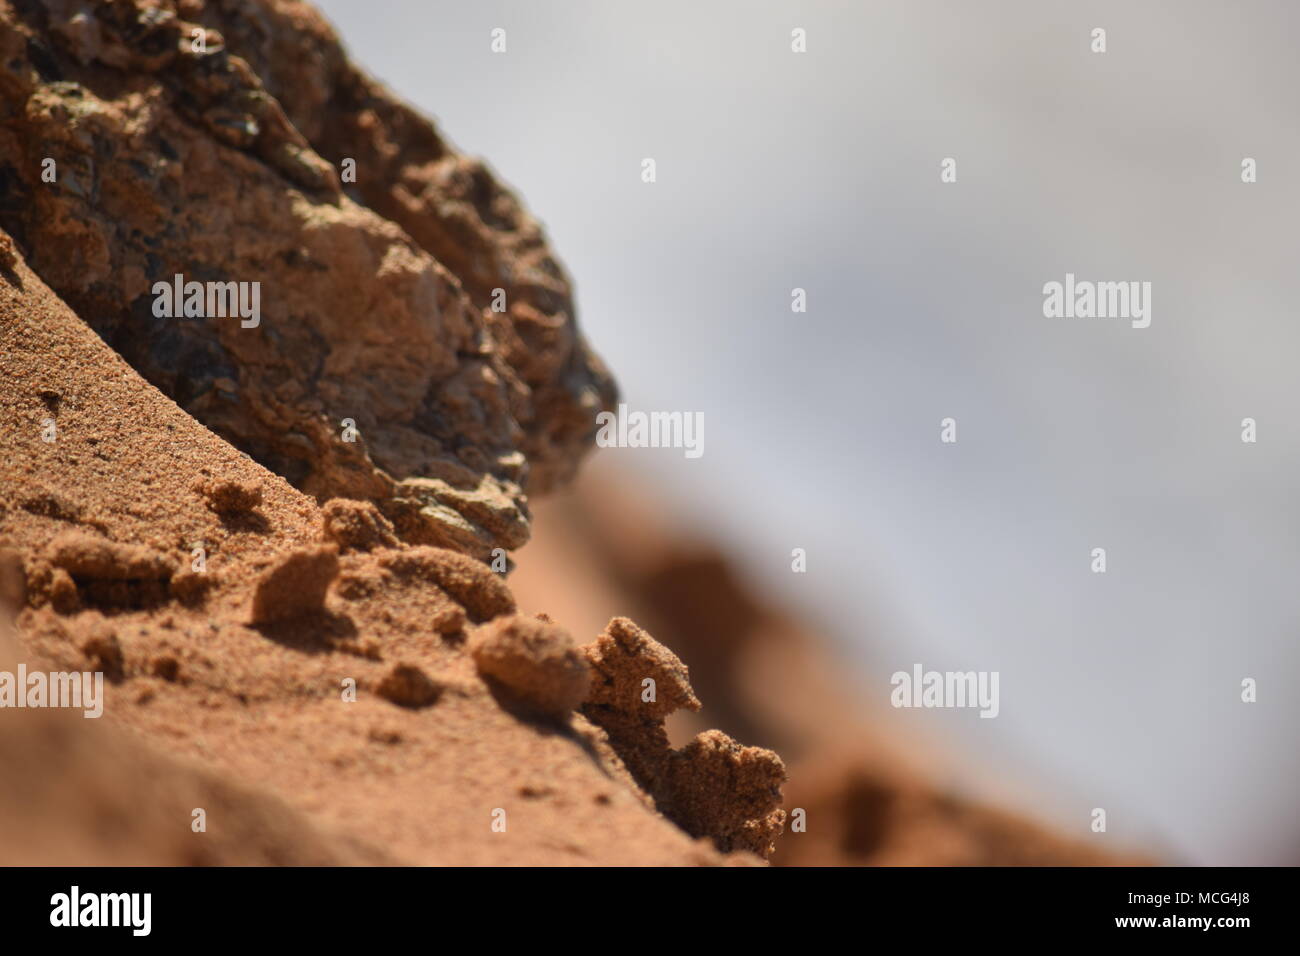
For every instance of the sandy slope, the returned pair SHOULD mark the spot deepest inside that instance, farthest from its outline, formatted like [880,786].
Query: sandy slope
[202,695]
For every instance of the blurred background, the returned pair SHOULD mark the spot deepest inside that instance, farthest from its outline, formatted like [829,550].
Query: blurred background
[820,170]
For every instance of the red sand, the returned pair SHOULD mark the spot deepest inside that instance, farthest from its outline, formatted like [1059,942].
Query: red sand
[231,696]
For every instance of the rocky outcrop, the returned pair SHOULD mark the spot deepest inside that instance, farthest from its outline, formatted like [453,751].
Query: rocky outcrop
[360,308]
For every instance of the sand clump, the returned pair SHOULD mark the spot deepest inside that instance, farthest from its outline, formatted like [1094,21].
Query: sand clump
[104,651]
[625,657]
[90,558]
[356,526]
[80,569]
[481,592]
[13,583]
[712,787]
[408,686]
[191,587]
[535,660]
[295,585]
[229,497]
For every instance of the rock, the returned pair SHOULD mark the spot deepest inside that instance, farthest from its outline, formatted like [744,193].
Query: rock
[375,368]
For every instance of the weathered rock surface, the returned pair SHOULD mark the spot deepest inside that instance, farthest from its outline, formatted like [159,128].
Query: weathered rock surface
[131,152]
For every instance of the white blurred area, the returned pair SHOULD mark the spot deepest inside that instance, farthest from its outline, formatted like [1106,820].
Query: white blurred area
[821,171]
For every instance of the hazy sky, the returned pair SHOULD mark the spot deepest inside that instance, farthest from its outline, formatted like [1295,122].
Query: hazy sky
[821,170]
